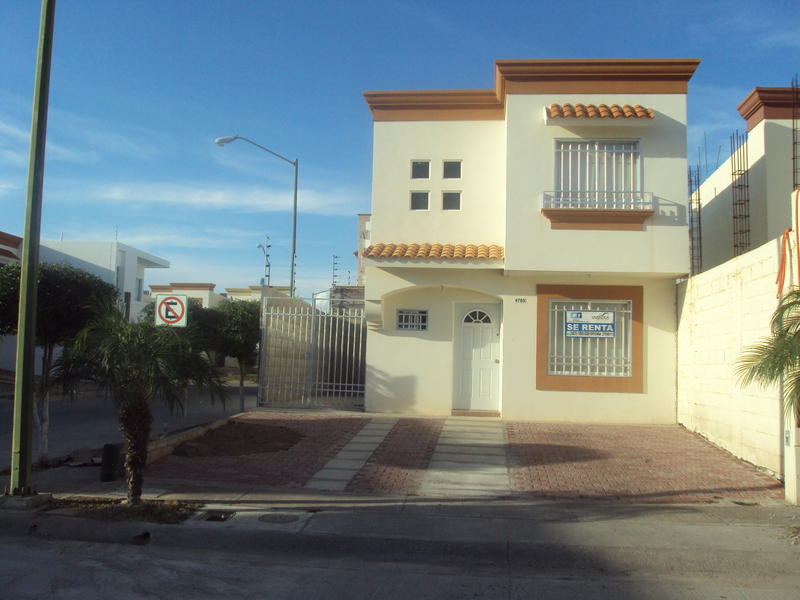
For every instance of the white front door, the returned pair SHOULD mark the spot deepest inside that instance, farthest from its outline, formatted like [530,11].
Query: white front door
[477,357]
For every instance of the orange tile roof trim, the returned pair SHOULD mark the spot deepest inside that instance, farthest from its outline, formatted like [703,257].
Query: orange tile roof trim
[550,76]
[602,111]
[428,251]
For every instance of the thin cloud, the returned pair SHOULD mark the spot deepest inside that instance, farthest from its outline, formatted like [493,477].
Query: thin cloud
[242,200]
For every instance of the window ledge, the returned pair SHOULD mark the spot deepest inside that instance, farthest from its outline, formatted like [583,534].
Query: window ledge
[598,218]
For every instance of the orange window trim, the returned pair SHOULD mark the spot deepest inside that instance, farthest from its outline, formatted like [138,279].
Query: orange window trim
[633,384]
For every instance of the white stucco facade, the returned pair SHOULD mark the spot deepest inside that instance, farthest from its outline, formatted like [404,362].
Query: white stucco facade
[113,262]
[767,112]
[476,334]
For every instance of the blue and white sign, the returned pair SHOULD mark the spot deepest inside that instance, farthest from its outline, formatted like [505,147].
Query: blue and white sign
[590,324]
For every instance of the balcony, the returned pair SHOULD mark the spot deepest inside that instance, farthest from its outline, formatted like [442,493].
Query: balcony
[616,211]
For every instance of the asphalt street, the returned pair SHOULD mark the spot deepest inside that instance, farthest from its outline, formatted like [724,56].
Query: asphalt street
[415,569]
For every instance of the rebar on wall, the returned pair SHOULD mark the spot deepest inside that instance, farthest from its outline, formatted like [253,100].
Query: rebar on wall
[795,134]
[740,188]
[695,232]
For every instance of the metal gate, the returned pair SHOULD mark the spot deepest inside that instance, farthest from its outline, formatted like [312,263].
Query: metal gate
[313,352]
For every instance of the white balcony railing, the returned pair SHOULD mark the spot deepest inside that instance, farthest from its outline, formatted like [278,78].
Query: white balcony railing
[593,200]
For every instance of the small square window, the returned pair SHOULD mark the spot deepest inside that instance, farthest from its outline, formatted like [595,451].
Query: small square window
[419,200]
[420,169]
[451,201]
[452,169]
[412,319]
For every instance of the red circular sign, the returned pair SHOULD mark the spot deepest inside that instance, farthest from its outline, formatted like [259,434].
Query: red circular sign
[171,310]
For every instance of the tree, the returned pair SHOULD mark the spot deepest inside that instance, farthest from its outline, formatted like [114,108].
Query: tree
[241,331]
[134,362]
[776,358]
[63,299]
[203,324]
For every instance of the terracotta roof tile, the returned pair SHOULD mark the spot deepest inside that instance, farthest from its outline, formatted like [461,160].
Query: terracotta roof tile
[613,111]
[448,251]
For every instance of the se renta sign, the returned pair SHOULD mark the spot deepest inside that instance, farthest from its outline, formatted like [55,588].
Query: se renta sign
[590,324]
[171,309]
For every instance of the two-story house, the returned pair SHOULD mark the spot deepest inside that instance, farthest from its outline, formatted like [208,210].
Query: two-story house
[525,241]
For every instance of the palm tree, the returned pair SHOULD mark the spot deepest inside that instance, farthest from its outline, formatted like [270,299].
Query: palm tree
[134,362]
[776,359]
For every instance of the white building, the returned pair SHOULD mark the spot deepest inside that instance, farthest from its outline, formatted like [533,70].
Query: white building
[767,158]
[113,262]
[525,241]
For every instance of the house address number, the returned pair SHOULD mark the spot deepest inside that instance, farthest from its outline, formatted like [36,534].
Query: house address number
[521,300]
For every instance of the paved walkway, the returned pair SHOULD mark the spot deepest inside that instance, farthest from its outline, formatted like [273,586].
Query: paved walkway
[462,456]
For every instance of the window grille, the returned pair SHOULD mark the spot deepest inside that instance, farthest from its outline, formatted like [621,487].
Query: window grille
[598,174]
[412,319]
[592,352]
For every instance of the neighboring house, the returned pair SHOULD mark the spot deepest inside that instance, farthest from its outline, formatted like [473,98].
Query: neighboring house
[525,243]
[113,262]
[254,292]
[202,292]
[758,177]
[10,248]
[116,263]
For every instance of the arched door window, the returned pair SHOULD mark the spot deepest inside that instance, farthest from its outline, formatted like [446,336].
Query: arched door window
[476,316]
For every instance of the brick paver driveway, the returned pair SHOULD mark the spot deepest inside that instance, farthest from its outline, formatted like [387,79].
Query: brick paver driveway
[602,462]
[629,462]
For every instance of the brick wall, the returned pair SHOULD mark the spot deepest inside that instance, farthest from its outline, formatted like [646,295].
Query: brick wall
[721,312]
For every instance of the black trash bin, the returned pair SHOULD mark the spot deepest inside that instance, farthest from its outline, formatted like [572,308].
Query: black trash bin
[109,464]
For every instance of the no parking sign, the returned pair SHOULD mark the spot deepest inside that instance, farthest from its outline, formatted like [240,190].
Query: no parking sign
[171,309]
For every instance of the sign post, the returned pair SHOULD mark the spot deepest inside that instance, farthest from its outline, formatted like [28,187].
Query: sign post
[171,309]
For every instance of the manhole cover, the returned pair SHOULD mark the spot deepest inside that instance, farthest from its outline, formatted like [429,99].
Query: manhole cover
[276,518]
[215,515]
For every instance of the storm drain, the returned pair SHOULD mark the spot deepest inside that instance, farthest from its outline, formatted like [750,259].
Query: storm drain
[278,518]
[215,515]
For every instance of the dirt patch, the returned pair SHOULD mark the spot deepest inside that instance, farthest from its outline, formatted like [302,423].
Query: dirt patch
[237,439]
[104,509]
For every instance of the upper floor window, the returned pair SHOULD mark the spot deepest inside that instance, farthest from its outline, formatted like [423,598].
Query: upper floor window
[451,169]
[420,169]
[451,200]
[419,200]
[598,174]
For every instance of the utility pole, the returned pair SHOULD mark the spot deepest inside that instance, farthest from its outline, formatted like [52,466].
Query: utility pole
[21,444]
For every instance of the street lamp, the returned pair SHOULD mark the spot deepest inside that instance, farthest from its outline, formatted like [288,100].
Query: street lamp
[267,266]
[232,138]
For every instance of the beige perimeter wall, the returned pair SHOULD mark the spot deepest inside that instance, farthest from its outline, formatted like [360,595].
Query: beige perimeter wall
[720,313]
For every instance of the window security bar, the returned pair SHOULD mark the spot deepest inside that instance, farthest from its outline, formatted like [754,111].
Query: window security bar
[592,199]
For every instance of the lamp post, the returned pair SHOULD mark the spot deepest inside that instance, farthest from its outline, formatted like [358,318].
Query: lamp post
[231,138]
[262,318]
[267,266]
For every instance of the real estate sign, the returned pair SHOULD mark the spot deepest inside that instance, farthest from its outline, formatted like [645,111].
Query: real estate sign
[590,323]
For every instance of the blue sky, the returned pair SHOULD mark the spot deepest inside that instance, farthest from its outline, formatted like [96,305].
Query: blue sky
[141,88]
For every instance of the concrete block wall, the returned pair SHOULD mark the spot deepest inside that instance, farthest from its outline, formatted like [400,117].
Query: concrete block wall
[720,313]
